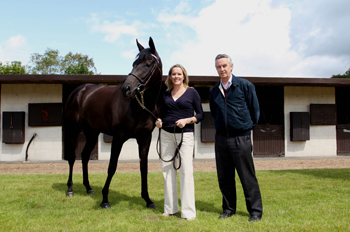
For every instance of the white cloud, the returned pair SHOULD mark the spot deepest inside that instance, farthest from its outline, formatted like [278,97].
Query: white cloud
[168,18]
[16,42]
[321,28]
[114,30]
[129,54]
[250,32]
[182,7]
[14,49]
[256,35]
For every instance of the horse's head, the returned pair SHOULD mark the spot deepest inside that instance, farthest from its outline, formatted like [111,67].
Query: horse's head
[146,71]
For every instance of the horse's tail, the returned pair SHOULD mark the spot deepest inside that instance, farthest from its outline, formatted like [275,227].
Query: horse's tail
[70,141]
[71,127]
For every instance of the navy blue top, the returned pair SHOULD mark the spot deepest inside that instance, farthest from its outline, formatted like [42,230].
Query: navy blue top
[238,112]
[183,107]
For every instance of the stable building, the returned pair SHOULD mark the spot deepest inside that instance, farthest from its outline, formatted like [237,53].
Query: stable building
[300,117]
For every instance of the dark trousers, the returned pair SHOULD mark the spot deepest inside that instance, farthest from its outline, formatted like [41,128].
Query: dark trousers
[235,153]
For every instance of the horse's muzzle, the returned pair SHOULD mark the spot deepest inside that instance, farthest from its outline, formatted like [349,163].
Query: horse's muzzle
[130,91]
[126,90]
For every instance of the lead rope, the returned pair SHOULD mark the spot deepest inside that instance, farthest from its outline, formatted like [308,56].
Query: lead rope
[142,102]
[177,149]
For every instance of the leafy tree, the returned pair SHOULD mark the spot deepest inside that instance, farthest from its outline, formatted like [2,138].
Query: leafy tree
[345,75]
[48,63]
[79,68]
[52,63]
[78,64]
[14,68]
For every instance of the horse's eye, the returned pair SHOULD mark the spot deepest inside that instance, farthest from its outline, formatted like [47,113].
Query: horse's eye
[148,64]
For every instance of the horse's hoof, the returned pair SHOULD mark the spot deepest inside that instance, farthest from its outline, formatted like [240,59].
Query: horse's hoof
[151,206]
[105,205]
[90,191]
[69,194]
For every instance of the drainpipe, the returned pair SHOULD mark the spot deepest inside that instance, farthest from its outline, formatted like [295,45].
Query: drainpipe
[30,141]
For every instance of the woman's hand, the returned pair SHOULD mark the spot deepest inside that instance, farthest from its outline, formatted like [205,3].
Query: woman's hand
[182,122]
[159,123]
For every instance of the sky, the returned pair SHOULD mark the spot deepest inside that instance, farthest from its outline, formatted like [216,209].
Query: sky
[265,38]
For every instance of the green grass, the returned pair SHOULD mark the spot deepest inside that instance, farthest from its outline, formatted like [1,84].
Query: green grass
[293,200]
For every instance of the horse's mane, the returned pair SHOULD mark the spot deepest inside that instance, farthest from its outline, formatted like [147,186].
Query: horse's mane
[145,54]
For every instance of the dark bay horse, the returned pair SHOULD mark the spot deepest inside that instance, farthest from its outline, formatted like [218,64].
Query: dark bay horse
[115,111]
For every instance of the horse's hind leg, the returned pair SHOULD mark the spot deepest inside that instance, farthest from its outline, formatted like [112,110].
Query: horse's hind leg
[91,139]
[70,138]
[70,192]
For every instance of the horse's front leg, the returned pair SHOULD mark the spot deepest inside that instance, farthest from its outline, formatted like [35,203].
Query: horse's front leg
[144,143]
[115,152]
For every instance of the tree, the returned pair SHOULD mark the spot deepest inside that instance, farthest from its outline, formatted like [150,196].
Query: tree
[49,63]
[52,63]
[345,75]
[14,68]
[78,64]
[79,68]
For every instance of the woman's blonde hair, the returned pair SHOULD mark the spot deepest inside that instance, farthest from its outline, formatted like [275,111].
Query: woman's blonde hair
[168,81]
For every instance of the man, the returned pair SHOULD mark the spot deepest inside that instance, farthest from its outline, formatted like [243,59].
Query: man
[235,108]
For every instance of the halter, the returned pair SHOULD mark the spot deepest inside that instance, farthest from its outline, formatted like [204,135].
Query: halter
[144,81]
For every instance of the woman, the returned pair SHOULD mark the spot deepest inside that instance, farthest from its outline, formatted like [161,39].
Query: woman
[177,115]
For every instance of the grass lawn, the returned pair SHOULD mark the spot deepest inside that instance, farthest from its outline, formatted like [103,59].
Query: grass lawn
[293,200]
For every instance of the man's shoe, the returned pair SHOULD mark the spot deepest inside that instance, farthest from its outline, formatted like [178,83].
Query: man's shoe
[254,218]
[226,215]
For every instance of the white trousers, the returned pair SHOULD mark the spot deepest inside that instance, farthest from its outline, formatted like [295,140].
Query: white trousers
[168,146]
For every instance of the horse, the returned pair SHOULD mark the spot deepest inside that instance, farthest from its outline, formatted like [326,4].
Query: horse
[116,111]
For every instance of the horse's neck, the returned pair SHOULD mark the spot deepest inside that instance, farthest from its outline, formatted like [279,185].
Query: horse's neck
[153,96]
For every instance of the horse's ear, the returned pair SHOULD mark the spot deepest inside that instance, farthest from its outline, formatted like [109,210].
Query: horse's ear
[139,45]
[151,45]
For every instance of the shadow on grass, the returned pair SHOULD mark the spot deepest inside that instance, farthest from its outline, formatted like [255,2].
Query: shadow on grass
[210,208]
[207,207]
[341,174]
[115,198]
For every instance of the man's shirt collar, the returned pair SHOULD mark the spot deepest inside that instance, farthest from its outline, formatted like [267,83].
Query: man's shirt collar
[229,83]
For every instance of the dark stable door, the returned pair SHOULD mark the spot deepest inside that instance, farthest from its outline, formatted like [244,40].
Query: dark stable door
[268,135]
[342,95]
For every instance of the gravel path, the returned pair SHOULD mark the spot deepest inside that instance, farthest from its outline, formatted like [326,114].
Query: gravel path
[156,166]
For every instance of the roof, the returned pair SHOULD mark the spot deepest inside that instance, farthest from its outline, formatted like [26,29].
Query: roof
[194,80]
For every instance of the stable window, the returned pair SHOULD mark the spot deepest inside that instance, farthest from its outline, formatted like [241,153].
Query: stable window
[299,126]
[45,114]
[13,124]
[323,114]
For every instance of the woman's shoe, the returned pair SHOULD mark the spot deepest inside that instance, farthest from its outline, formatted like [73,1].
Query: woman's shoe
[167,215]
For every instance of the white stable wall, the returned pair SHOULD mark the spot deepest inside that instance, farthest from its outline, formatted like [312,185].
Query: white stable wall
[48,143]
[322,137]
[47,146]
